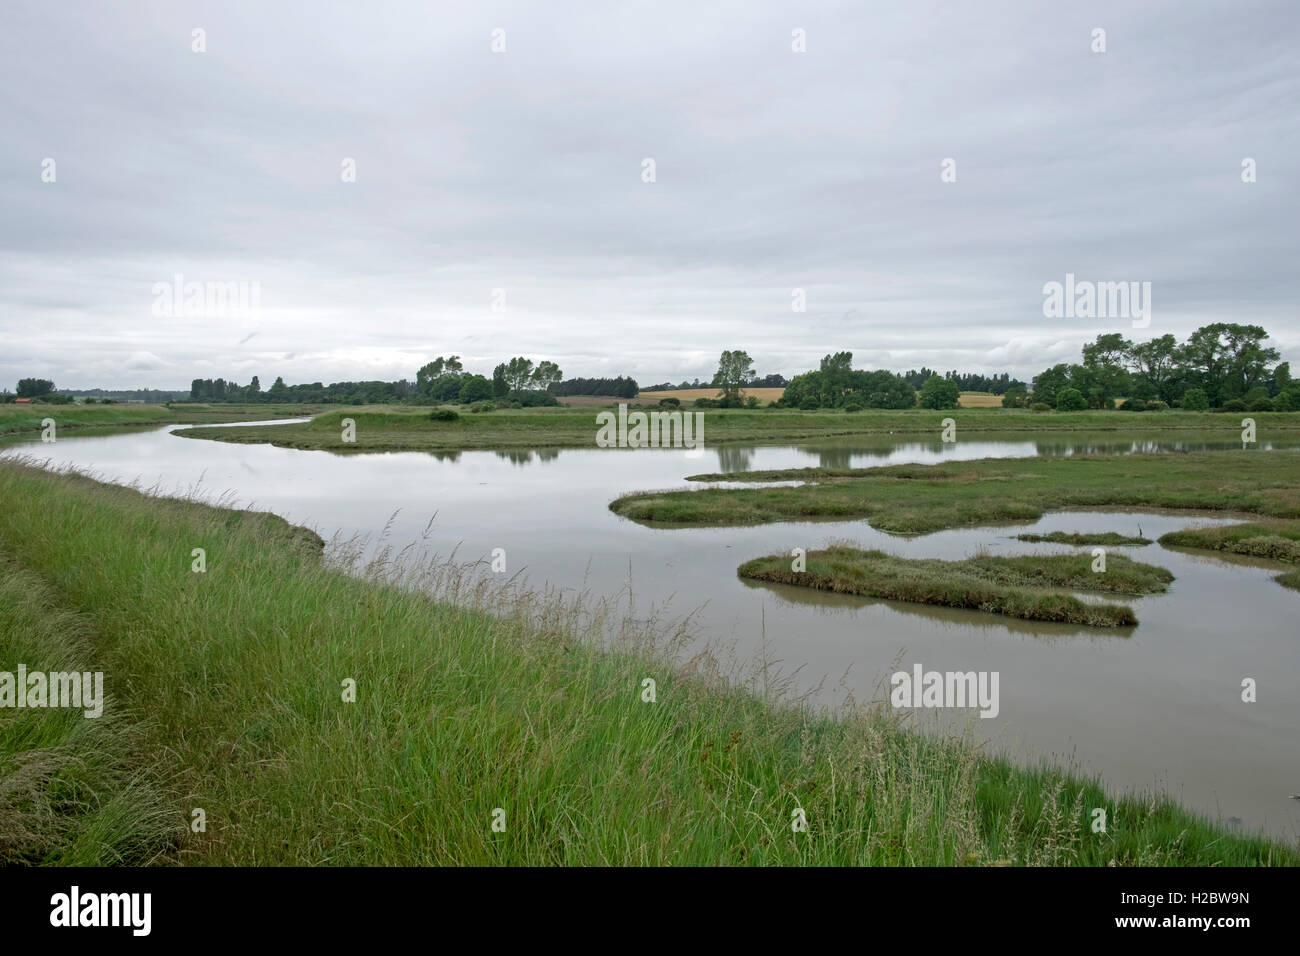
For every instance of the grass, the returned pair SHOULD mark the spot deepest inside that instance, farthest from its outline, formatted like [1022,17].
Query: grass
[1110,539]
[230,681]
[16,419]
[917,499]
[1020,587]
[1271,540]
[404,428]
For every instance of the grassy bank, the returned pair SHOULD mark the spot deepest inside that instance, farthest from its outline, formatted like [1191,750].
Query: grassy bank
[925,498]
[16,419]
[232,682]
[1021,587]
[1272,540]
[384,428]
[1109,539]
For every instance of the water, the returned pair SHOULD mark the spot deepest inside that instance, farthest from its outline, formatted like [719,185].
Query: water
[1156,706]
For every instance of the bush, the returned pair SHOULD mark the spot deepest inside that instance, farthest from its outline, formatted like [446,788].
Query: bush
[853,407]
[1040,407]
[1234,405]
[483,407]
[1155,405]
[810,404]
[707,403]
[1133,405]
[670,403]
[1070,400]
[1288,401]
[1195,400]
[1262,405]
[751,401]
[443,415]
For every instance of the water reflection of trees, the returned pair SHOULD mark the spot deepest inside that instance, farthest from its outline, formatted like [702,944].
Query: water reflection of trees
[734,458]
[526,456]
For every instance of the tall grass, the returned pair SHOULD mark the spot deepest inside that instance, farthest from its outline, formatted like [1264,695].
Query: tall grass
[530,703]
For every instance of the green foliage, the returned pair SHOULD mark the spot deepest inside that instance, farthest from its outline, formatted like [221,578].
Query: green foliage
[939,393]
[735,368]
[474,388]
[34,387]
[1195,400]
[1070,400]
[443,415]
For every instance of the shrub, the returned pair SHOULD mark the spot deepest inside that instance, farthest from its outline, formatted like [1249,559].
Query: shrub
[443,415]
[1234,405]
[474,388]
[1133,405]
[1262,404]
[483,407]
[1070,400]
[670,403]
[707,403]
[751,401]
[810,404]
[1040,407]
[1195,400]
[1155,405]
[853,407]
[1288,401]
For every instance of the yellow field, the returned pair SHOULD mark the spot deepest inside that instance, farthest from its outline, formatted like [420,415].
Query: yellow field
[685,396]
[979,400]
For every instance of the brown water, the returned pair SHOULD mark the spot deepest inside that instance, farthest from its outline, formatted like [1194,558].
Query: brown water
[1157,706]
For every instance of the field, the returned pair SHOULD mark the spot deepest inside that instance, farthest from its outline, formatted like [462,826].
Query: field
[979,400]
[228,693]
[917,499]
[404,428]
[27,418]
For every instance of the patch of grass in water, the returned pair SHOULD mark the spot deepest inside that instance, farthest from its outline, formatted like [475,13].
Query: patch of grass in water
[1021,587]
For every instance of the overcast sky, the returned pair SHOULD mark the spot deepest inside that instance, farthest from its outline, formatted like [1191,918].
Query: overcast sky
[522,170]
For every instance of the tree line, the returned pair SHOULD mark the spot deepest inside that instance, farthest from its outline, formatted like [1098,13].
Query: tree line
[1221,365]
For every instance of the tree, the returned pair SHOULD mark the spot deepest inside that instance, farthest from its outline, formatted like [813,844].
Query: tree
[939,393]
[1106,376]
[519,373]
[433,371]
[500,388]
[1156,364]
[1048,383]
[254,387]
[34,387]
[1015,397]
[546,375]
[474,388]
[734,370]
[1070,400]
[1227,360]
[278,390]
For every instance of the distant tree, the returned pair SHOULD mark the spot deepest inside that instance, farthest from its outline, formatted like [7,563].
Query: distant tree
[519,373]
[474,388]
[1070,400]
[500,387]
[1049,382]
[734,369]
[34,387]
[939,393]
[546,376]
[1015,397]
